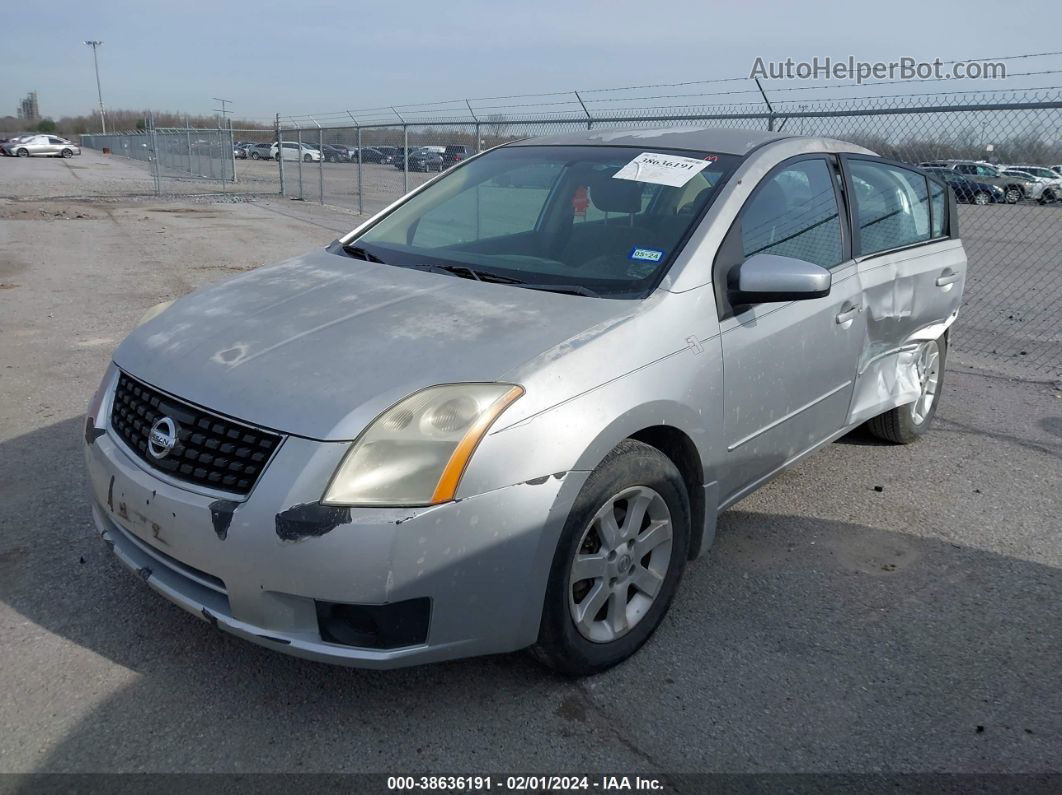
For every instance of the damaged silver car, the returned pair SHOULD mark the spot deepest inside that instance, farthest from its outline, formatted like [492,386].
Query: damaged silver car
[506,411]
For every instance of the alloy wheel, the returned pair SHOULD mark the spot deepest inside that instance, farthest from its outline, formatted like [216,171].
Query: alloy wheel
[981,198]
[928,366]
[620,564]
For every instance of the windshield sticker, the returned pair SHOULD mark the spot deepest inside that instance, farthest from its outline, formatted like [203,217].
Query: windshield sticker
[658,169]
[646,254]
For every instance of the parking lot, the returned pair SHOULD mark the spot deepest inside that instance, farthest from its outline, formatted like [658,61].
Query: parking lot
[876,608]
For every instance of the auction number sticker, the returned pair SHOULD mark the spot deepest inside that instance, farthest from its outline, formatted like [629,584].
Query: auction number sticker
[672,170]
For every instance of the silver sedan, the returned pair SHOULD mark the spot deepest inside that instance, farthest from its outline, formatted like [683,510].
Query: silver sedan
[42,146]
[506,411]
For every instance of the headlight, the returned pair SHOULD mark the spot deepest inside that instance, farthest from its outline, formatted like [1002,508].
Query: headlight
[154,312]
[416,452]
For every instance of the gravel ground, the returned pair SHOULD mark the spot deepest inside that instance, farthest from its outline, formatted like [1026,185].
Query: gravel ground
[877,608]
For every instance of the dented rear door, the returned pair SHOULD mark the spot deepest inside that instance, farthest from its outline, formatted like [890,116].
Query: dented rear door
[912,267]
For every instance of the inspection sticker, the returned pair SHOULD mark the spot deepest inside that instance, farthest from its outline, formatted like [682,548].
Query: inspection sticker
[672,170]
[646,254]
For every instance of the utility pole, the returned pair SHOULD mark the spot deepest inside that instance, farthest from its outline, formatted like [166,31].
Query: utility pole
[99,91]
[222,110]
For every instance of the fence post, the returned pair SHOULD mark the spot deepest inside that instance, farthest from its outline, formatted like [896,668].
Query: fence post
[155,152]
[320,163]
[405,158]
[298,157]
[589,119]
[361,204]
[232,152]
[767,102]
[188,143]
[475,118]
[280,153]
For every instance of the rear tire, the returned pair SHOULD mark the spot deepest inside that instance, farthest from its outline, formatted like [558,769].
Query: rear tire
[1013,195]
[906,424]
[254,155]
[981,198]
[629,529]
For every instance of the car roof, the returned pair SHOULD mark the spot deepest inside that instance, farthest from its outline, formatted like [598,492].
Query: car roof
[725,140]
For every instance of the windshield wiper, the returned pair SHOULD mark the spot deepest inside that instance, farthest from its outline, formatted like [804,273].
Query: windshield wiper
[571,289]
[360,253]
[465,272]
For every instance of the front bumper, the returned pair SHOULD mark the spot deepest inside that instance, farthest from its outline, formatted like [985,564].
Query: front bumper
[482,561]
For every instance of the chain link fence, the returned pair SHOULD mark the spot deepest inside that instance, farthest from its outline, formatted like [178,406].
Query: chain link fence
[180,160]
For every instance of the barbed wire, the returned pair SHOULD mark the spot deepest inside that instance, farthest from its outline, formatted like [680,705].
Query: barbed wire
[420,108]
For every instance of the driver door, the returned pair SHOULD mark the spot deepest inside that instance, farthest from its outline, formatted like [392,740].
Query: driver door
[788,367]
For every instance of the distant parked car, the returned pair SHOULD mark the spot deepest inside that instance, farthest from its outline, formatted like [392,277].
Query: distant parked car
[260,151]
[456,153]
[41,146]
[368,154]
[1013,187]
[293,151]
[422,160]
[337,153]
[967,190]
[1053,182]
[1031,187]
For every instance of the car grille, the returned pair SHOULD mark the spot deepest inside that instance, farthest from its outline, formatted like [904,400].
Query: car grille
[210,451]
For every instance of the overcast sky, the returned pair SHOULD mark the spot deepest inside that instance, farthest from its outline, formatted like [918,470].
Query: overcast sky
[312,57]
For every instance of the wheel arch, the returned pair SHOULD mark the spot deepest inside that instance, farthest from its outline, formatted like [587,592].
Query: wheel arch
[680,449]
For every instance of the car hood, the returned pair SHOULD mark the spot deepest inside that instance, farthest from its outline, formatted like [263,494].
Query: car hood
[319,345]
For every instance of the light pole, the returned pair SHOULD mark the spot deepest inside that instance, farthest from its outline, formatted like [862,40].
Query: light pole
[99,91]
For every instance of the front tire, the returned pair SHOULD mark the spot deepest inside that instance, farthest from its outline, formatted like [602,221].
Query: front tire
[981,198]
[67,153]
[906,424]
[618,562]
[23,153]
[254,155]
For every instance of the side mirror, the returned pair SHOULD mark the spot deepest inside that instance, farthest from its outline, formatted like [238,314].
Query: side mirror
[764,278]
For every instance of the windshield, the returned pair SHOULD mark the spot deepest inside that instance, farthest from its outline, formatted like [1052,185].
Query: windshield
[554,216]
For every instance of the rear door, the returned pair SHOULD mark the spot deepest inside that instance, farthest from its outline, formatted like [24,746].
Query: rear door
[788,368]
[912,268]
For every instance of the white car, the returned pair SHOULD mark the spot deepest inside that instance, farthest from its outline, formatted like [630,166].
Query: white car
[296,151]
[1052,181]
[41,145]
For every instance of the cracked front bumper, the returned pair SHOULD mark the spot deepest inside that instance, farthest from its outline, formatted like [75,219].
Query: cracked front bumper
[482,561]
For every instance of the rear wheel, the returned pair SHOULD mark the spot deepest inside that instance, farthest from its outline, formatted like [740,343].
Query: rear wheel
[1013,195]
[618,562]
[905,424]
[254,155]
[981,198]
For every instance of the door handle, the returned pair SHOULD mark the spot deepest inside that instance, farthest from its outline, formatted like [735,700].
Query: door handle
[948,277]
[847,314]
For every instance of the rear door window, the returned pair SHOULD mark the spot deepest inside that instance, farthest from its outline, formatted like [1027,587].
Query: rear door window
[892,205]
